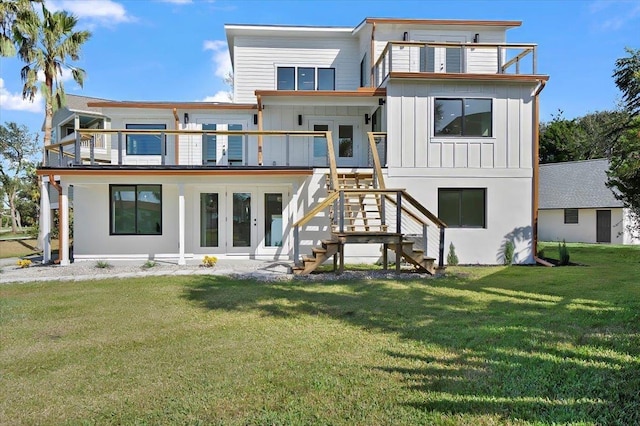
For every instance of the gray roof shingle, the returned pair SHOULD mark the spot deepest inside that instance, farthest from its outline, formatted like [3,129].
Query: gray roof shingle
[577,185]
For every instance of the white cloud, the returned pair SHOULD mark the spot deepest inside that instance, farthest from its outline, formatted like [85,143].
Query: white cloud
[220,57]
[14,102]
[104,12]
[613,15]
[178,1]
[221,96]
[66,75]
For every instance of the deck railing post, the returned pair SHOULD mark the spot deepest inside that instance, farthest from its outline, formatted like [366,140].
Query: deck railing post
[535,60]
[77,157]
[296,245]
[383,209]
[399,212]
[441,249]
[163,149]
[61,157]
[341,212]
[425,245]
[390,59]
[205,148]
[92,149]
[287,148]
[246,150]
[120,148]
[499,59]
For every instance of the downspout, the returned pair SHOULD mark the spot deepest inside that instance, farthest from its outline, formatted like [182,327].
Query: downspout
[55,184]
[260,158]
[372,47]
[536,172]
[176,142]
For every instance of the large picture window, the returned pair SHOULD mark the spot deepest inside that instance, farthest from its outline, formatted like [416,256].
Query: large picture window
[144,144]
[463,117]
[305,78]
[462,207]
[135,209]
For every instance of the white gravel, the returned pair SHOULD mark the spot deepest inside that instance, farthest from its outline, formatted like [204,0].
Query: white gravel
[239,269]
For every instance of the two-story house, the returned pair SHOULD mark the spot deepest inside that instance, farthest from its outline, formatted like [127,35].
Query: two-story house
[347,142]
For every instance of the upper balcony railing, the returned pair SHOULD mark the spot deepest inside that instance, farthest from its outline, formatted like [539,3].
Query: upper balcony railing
[448,57]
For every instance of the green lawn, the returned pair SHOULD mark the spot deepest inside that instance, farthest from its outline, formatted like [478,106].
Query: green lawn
[486,345]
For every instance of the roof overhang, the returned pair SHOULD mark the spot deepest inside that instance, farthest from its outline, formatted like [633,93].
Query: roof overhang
[532,78]
[172,105]
[360,97]
[437,23]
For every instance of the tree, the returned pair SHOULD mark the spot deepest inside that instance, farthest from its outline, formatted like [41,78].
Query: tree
[17,150]
[45,44]
[624,172]
[627,77]
[12,13]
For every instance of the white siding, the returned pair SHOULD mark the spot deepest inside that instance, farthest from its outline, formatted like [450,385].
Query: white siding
[414,148]
[256,60]
[551,226]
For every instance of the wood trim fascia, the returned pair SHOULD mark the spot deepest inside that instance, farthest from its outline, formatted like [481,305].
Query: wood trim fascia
[455,22]
[189,172]
[460,76]
[172,105]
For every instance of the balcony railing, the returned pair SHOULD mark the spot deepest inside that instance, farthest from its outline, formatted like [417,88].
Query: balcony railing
[447,57]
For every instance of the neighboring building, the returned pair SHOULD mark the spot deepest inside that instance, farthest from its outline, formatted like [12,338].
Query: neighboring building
[327,125]
[576,205]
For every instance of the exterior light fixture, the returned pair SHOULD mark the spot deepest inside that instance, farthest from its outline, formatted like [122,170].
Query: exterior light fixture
[476,38]
[367,119]
[186,118]
[299,119]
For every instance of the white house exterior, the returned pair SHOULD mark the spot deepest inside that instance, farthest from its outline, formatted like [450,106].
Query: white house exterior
[433,121]
[576,206]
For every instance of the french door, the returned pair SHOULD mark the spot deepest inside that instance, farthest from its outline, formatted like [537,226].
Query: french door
[242,220]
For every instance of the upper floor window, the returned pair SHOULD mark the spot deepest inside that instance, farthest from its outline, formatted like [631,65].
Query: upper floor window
[144,144]
[463,117]
[364,73]
[305,78]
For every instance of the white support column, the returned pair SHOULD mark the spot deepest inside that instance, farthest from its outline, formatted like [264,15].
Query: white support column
[181,225]
[44,238]
[64,225]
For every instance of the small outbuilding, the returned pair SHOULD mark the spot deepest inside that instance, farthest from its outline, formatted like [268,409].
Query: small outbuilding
[577,206]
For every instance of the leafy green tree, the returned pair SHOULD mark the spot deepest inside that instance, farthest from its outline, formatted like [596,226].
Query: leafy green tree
[559,140]
[46,43]
[17,150]
[627,77]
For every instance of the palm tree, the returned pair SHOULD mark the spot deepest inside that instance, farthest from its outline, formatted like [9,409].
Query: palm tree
[45,43]
[12,12]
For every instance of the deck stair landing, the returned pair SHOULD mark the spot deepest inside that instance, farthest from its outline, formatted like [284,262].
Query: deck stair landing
[357,215]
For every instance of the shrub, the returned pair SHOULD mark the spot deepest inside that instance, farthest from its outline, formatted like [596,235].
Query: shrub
[103,264]
[209,261]
[23,263]
[452,257]
[149,264]
[563,254]
[509,249]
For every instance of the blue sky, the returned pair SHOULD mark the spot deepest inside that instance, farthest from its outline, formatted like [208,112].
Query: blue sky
[175,50]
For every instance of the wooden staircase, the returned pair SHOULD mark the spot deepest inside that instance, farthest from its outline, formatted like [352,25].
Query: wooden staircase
[362,221]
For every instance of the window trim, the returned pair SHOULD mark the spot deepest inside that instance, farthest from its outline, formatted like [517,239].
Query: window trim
[315,76]
[126,143]
[459,191]
[462,135]
[568,219]
[111,224]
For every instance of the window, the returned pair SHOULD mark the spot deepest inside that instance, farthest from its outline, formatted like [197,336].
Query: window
[463,117]
[273,220]
[144,144]
[462,207]
[570,215]
[326,79]
[305,78]
[364,72]
[345,141]
[135,209]
[210,146]
[235,145]
[286,78]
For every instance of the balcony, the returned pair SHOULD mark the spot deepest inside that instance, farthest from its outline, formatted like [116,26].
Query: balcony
[209,149]
[413,59]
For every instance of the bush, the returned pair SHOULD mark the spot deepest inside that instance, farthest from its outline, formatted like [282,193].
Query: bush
[23,263]
[149,264]
[509,249]
[563,254]
[209,261]
[103,264]
[452,257]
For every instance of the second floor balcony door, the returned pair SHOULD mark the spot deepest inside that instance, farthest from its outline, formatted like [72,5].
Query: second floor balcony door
[346,142]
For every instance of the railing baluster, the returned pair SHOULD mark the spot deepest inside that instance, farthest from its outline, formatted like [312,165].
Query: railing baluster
[92,148]
[341,212]
[287,149]
[425,245]
[61,157]
[398,212]
[296,245]
[77,157]
[205,149]
[246,149]
[535,60]
[499,59]
[163,149]
[441,249]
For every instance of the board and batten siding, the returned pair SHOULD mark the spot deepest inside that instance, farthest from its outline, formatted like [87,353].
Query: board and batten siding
[256,59]
[412,144]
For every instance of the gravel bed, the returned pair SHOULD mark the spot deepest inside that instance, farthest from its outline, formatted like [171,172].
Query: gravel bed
[237,269]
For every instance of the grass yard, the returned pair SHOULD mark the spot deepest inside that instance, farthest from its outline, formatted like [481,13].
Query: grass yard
[486,345]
